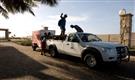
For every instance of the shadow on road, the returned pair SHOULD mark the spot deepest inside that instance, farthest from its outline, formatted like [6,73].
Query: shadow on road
[74,66]
[122,71]
[15,64]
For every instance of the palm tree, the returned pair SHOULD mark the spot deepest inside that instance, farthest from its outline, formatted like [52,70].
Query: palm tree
[14,6]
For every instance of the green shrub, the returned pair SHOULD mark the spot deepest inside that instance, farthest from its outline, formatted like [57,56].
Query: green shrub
[24,42]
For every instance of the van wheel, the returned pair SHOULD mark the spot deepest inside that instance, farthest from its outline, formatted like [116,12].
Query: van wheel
[53,52]
[90,60]
[34,48]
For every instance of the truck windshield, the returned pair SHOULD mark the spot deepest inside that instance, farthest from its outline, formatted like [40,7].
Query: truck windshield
[88,37]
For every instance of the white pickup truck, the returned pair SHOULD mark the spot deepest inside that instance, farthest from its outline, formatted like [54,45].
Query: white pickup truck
[91,49]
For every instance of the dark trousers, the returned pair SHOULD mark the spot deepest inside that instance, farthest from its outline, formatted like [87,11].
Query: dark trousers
[43,47]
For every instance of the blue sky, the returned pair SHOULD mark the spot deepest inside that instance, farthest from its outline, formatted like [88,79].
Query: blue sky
[94,16]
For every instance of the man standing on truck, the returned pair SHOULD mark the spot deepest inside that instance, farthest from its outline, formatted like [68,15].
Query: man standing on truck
[62,24]
[78,29]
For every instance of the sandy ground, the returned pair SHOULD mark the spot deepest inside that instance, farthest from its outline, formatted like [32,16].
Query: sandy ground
[21,63]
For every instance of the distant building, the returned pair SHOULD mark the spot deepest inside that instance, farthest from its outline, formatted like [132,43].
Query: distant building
[6,33]
[47,31]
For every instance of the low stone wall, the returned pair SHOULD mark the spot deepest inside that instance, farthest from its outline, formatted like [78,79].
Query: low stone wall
[133,40]
[116,38]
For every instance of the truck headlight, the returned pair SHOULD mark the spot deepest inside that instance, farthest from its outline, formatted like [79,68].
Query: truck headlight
[107,50]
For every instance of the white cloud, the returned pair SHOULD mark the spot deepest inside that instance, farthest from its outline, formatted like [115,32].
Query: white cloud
[23,25]
[77,18]
[52,22]
[70,18]
[55,17]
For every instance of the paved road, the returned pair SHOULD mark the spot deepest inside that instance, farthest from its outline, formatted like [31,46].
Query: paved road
[21,63]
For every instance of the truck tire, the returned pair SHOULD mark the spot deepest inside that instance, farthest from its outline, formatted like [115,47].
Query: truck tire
[34,48]
[91,60]
[53,52]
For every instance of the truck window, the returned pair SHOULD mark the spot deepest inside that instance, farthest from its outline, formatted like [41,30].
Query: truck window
[73,38]
[88,37]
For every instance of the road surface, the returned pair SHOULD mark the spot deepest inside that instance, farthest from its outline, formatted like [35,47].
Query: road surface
[21,63]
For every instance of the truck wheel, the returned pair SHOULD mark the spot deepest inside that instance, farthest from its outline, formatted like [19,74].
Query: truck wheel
[90,60]
[53,52]
[34,48]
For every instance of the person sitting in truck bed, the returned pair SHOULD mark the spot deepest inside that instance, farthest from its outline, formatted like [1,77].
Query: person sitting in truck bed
[78,29]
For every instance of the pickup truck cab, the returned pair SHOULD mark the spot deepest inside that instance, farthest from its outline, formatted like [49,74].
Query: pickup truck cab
[91,49]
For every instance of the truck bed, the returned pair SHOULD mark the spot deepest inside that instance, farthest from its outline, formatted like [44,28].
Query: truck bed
[57,37]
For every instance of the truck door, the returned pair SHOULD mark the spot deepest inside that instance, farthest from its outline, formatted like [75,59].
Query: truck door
[72,45]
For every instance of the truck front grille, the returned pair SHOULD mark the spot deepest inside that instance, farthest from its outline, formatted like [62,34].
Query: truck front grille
[121,51]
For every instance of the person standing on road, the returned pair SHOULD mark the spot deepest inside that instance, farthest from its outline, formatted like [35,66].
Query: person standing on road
[78,29]
[62,24]
[43,43]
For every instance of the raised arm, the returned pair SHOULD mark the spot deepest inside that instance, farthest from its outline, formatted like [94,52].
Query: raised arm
[61,15]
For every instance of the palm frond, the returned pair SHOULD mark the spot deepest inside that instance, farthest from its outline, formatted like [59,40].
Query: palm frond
[3,12]
[14,6]
[49,2]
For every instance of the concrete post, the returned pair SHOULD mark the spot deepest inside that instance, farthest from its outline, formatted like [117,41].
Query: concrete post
[109,36]
[7,34]
[126,29]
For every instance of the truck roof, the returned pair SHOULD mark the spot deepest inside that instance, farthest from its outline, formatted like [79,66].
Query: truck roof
[79,33]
